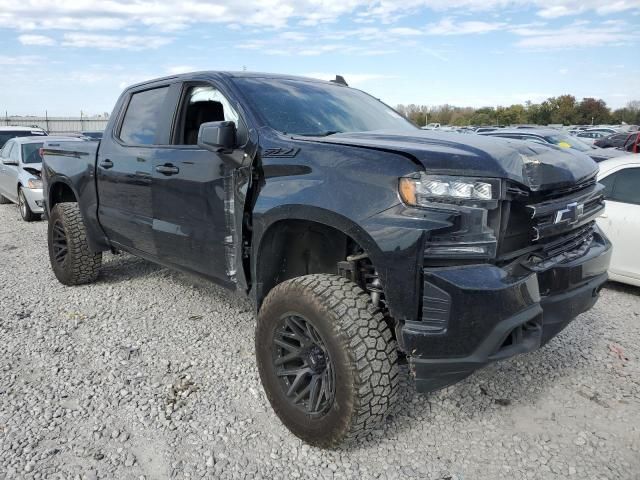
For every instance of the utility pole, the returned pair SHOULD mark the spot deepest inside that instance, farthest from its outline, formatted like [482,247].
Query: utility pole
[46,120]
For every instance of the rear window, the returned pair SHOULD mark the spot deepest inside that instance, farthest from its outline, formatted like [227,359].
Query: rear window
[31,153]
[6,136]
[142,118]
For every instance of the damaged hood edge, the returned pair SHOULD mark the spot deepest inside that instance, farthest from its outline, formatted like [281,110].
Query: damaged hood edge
[538,167]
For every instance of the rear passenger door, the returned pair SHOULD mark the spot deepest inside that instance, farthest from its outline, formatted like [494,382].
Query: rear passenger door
[125,166]
[191,187]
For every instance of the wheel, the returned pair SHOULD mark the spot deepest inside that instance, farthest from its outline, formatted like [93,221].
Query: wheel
[327,359]
[4,200]
[72,260]
[25,210]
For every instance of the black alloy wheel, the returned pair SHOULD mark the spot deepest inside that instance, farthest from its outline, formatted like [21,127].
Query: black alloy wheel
[59,243]
[303,364]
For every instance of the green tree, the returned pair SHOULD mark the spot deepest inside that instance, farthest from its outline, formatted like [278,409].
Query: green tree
[592,111]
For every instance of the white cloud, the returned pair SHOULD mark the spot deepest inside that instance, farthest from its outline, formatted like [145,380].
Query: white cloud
[20,60]
[578,34]
[169,15]
[404,31]
[42,40]
[114,42]
[449,26]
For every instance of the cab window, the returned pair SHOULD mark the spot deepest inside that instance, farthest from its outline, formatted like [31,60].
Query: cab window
[203,104]
[142,119]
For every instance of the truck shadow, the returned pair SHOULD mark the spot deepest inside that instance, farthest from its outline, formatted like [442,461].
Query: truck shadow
[498,390]
[623,288]
[122,267]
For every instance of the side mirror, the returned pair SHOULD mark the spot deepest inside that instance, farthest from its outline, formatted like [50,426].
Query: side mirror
[8,161]
[217,136]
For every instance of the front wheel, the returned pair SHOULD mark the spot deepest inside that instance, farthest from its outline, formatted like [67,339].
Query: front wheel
[25,211]
[327,359]
[72,260]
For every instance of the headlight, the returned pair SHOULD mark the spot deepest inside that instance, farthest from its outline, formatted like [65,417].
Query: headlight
[34,183]
[419,189]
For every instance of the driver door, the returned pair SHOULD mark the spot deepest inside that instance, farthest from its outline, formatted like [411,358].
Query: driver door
[192,189]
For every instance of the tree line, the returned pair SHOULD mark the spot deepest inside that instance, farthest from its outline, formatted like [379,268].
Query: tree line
[565,110]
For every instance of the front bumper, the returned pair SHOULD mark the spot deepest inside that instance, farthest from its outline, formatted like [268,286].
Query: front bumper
[34,199]
[492,313]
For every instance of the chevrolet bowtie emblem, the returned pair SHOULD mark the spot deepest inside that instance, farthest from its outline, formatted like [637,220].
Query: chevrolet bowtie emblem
[571,214]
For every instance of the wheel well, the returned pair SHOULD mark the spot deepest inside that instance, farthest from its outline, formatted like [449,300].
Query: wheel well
[60,192]
[292,248]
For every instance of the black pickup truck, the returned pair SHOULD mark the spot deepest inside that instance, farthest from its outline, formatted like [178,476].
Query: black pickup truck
[363,241]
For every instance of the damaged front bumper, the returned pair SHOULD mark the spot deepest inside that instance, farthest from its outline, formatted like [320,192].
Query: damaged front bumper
[477,314]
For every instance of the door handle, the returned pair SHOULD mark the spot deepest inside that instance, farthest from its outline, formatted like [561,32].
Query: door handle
[167,169]
[106,164]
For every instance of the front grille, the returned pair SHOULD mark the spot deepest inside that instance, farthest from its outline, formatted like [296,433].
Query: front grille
[550,225]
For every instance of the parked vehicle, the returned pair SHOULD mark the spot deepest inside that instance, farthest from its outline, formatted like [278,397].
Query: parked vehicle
[621,219]
[589,137]
[356,234]
[20,167]
[615,140]
[554,137]
[632,143]
[7,133]
[605,130]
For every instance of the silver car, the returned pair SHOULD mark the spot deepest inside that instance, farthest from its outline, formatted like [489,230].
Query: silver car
[20,166]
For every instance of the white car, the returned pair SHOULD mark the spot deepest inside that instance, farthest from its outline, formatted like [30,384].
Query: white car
[621,218]
[20,166]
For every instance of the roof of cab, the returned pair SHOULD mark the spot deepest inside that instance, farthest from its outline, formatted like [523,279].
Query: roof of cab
[229,74]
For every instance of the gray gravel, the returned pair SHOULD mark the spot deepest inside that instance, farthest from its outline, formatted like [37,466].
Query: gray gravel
[150,374]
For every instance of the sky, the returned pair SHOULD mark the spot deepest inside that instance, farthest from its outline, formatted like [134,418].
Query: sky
[65,56]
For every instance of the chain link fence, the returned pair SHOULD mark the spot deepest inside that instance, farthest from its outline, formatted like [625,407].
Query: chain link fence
[57,124]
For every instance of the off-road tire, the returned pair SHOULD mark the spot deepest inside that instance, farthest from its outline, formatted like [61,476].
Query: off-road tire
[361,348]
[80,264]
[4,200]
[25,211]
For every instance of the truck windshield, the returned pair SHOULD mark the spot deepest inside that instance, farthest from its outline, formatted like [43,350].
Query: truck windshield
[318,109]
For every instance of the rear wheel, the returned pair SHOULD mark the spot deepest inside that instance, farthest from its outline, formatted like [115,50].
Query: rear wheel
[327,359]
[72,260]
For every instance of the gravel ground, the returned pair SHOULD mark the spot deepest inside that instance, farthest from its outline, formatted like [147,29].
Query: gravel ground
[151,374]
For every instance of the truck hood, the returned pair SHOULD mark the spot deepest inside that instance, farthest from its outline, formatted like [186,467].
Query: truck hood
[536,166]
